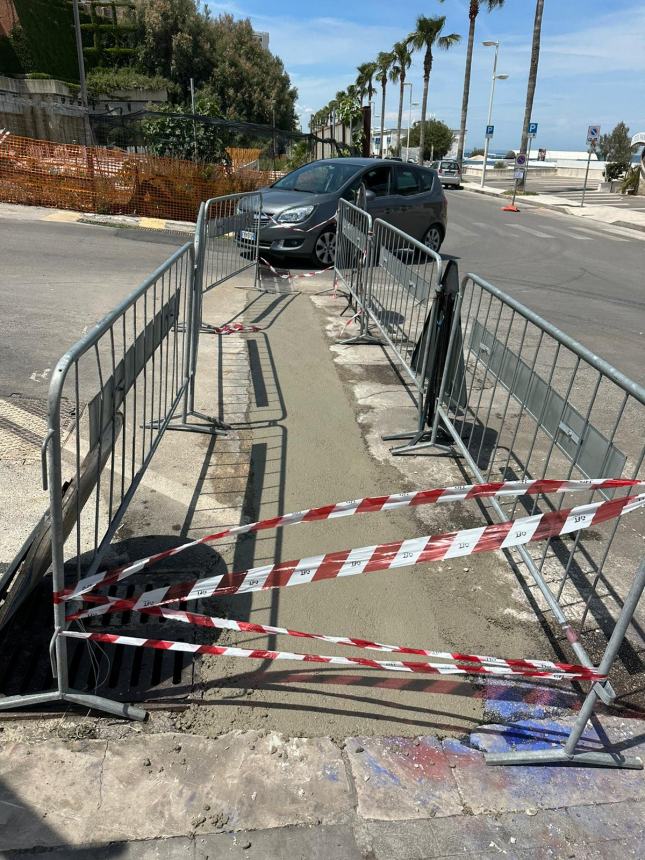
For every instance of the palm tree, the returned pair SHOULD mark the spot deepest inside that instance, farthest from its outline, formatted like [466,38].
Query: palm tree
[402,60]
[383,64]
[425,37]
[366,72]
[473,12]
[340,98]
[352,107]
[535,56]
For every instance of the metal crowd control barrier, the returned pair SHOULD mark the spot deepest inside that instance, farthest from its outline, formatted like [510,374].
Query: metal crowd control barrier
[142,360]
[353,230]
[402,285]
[132,373]
[532,402]
[227,243]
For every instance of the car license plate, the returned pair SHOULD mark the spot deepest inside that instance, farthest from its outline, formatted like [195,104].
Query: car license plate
[247,235]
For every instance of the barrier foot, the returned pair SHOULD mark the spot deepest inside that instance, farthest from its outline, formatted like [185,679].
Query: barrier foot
[416,442]
[9,703]
[107,706]
[212,426]
[198,428]
[361,338]
[559,756]
[96,703]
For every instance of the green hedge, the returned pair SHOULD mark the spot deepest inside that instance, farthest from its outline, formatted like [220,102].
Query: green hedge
[48,27]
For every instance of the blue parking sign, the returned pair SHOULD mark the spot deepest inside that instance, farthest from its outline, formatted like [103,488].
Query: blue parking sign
[490,130]
[533,127]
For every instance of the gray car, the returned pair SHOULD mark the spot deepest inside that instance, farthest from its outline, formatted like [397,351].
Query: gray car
[299,211]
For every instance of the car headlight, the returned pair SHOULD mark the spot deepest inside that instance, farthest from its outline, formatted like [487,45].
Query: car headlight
[292,216]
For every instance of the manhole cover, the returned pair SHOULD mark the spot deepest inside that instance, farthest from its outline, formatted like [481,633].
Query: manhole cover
[23,425]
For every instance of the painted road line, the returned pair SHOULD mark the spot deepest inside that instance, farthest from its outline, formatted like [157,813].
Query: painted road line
[532,231]
[461,231]
[64,216]
[601,232]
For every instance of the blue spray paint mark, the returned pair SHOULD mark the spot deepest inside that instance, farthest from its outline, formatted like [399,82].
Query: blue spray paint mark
[330,773]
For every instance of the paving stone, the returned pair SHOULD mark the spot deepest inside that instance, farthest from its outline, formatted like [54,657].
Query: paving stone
[611,822]
[402,778]
[486,788]
[409,840]
[334,842]
[57,793]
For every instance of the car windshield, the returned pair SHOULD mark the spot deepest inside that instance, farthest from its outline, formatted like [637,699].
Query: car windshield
[318,177]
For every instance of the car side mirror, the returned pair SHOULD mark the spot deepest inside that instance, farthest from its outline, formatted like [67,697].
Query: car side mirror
[369,194]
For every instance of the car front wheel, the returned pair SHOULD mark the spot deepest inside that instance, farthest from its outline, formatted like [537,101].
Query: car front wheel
[325,248]
[433,237]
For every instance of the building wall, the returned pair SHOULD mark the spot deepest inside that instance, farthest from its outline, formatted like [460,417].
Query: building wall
[8,17]
[44,109]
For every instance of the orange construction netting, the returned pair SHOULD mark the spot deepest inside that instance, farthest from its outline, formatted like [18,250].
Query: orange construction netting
[114,182]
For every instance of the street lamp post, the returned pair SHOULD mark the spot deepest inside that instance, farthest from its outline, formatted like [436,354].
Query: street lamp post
[412,104]
[496,77]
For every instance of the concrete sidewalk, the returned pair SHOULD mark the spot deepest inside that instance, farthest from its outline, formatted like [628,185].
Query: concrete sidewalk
[245,759]
[623,218]
[263,795]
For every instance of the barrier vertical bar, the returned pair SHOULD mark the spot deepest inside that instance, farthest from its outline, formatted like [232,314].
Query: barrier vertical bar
[567,754]
[195,308]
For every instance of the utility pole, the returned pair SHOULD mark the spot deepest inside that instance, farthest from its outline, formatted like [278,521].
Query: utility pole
[81,72]
[79,54]
[273,130]
[192,107]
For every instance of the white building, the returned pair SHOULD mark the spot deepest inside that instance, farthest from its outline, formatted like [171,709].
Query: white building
[263,39]
[390,140]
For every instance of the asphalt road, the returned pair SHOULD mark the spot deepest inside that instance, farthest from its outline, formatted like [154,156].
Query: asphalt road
[585,279]
[56,280]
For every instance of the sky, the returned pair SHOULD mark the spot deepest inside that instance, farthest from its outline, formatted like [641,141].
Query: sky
[592,61]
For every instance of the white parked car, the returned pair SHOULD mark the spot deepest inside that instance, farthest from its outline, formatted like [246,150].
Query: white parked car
[449,172]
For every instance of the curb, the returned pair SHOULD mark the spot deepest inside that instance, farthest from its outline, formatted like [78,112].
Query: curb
[561,208]
[141,223]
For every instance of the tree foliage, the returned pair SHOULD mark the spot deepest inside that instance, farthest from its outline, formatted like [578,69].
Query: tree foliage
[426,38]
[176,137]
[438,138]
[616,146]
[179,42]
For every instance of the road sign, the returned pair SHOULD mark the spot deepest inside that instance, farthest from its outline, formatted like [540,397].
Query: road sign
[593,134]
[490,130]
[520,160]
[519,173]
[533,126]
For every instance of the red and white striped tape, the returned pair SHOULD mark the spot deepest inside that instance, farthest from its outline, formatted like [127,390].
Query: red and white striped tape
[288,276]
[369,559]
[233,328]
[352,642]
[387,665]
[373,504]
